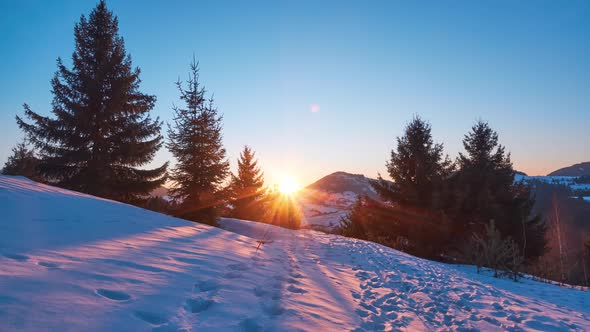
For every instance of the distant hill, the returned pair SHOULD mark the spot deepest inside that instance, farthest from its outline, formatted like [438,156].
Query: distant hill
[574,170]
[327,200]
[342,182]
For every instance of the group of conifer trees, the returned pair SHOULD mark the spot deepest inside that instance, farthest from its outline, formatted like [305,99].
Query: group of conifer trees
[435,206]
[101,136]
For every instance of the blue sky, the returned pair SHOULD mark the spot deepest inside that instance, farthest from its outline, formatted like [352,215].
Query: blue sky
[369,66]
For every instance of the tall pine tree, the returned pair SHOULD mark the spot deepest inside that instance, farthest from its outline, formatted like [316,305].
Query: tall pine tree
[101,131]
[483,189]
[417,168]
[195,140]
[247,188]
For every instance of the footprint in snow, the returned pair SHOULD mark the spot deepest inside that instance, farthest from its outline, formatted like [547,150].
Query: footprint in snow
[207,285]
[188,260]
[113,295]
[48,265]
[273,308]
[293,281]
[294,289]
[250,325]
[17,257]
[196,305]
[238,267]
[273,293]
[233,275]
[150,317]
[260,291]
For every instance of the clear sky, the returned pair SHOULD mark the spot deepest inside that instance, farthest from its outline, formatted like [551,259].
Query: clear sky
[321,86]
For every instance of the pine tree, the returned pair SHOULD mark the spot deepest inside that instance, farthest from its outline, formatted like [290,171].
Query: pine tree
[101,131]
[23,162]
[417,168]
[483,190]
[195,140]
[247,188]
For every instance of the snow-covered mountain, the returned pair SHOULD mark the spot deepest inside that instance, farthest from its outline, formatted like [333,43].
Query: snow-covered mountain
[574,170]
[342,182]
[73,262]
[327,200]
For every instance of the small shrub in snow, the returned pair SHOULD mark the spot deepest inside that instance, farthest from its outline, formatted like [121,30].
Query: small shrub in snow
[496,252]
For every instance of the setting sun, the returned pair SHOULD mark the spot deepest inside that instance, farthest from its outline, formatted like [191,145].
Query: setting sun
[287,185]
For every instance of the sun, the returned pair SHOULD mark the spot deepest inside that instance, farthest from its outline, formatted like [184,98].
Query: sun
[287,185]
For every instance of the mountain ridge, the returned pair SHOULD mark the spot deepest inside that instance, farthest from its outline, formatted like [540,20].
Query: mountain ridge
[578,169]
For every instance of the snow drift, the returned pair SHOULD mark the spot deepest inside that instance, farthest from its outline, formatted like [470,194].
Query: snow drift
[72,262]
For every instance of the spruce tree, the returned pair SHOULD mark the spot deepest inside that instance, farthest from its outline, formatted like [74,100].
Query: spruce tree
[417,168]
[23,162]
[247,188]
[483,190]
[101,132]
[195,140]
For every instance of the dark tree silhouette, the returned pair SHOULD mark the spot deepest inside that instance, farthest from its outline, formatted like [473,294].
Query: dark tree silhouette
[417,168]
[483,189]
[411,216]
[247,188]
[101,132]
[23,162]
[195,140]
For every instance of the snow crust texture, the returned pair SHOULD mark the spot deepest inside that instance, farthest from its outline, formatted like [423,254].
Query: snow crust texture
[72,262]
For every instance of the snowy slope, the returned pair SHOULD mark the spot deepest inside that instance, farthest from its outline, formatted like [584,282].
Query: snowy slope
[71,262]
[568,181]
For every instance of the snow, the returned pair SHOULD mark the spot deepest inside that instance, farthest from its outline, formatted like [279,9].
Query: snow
[72,262]
[323,210]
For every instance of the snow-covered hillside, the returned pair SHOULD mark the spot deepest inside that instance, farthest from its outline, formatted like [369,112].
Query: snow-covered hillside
[573,170]
[71,262]
[568,181]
